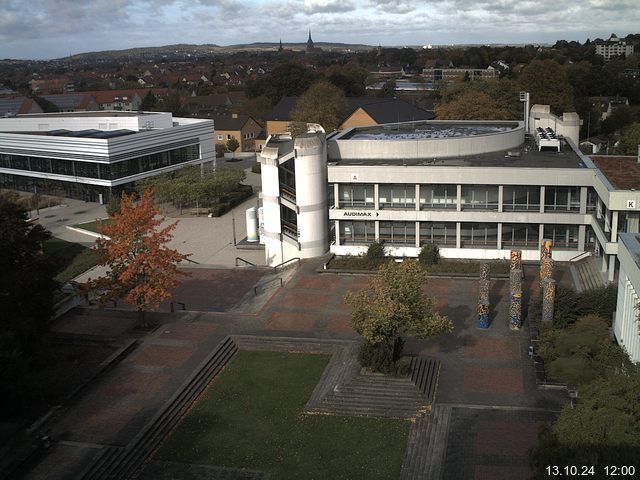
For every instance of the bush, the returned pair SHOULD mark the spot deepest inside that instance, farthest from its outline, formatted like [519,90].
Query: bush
[571,305]
[381,357]
[220,150]
[376,251]
[256,168]
[113,206]
[429,254]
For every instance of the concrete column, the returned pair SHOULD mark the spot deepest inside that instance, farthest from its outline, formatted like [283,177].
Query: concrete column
[612,267]
[417,199]
[583,200]
[582,233]
[377,230]
[500,199]
[337,226]
[614,226]
[459,200]
[603,265]
[376,196]
[499,242]
[417,234]
[598,208]
[336,195]
[541,202]
[540,233]
[458,228]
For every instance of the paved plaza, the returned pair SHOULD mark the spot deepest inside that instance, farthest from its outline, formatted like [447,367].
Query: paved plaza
[487,408]
[486,381]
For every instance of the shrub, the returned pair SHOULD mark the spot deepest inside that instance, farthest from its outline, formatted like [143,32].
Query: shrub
[376,251]
[256,168]
[429,254]
[220,150]
[113,206]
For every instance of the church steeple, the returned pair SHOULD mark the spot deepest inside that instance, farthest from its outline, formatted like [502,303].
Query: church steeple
[310,46]
[280,47]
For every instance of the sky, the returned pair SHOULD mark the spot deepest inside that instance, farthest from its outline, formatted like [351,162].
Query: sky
[45,29]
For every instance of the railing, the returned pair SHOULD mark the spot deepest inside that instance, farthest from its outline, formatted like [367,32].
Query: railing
[281,265]
[262,287]
[192,261]
[246,262]
[583,254]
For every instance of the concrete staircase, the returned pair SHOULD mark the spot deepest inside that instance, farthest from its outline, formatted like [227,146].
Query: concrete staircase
[586,274]
[427,445]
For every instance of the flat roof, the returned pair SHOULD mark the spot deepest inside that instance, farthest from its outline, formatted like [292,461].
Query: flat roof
[524,156]
[93,113]
[622,172]
[427,130]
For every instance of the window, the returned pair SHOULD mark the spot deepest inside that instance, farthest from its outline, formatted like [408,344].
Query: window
[520,235]
[357,233]
[220,138]
[438,196]
[331,200]
[558,199]
[562,236]
[356,195]
[592,200]
[397,196]
[479,235]
[289,221]
[398,233]
[479,197]
[521,199]
[438,233]
[228,136]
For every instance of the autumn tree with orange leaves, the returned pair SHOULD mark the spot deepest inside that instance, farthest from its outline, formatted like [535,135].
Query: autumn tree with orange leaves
[142,269]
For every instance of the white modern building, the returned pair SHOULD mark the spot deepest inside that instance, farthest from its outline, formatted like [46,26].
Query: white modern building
[90,155]
[476,188]
[625,324]
[614,47]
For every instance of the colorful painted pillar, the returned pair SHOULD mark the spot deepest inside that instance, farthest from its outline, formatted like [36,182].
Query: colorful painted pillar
[546,270]
[483,297]
[548,299]
[515,306]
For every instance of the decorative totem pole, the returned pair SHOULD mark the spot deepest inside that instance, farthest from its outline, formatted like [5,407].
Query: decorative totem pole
[545,254]
[548,299]
[483,297]
[515,282]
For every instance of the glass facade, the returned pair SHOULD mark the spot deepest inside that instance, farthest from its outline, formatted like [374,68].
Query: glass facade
[562,236]
[357,233]
[289,221]
[400,196]
[398,233]
[482,235]
[558,199]
[479,197]
[521,199]
[441,234]
[520,235]
[357,195]
[438,196]
[103,171]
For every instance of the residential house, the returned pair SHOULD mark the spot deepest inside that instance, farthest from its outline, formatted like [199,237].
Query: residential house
[241,127]
[606,105]
[12,106]
[73,102]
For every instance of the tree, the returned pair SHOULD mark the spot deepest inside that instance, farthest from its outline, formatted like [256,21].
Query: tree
[602,429]
[548,84]
[392,305]
[287,79]
[630,140]
[322,103]
[142,269]
[27,290]
[472,106]
[232,144]
[149,101]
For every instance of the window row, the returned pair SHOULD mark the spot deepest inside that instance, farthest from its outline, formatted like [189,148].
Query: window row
[444,234]
[111,171]
[472,197]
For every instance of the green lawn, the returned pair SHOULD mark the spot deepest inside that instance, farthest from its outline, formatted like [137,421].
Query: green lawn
[252,418]
[93,226]
[72,258]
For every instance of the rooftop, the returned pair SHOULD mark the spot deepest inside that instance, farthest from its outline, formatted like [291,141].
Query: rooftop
[417,130]
[524,156]
[622,172]
[95,113]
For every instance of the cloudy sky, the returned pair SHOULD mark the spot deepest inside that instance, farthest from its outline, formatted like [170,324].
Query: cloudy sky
[46,29]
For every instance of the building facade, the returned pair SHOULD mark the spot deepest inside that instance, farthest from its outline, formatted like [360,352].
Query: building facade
[91,155]
[625,324]
[614,47]
[476,189]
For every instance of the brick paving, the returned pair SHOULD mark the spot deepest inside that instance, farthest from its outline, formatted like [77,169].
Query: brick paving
[479,368]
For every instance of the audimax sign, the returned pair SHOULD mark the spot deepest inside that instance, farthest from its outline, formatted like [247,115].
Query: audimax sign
[360,214]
